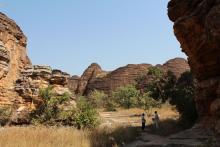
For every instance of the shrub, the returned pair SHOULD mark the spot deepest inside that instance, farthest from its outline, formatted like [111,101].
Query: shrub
[126,96]
[165,87]
[67,117]
[49,112]
[97,99]
[160,88]
[155,71]
[183,97]
[5,114]
[85,116]
[110,105]
[146,102]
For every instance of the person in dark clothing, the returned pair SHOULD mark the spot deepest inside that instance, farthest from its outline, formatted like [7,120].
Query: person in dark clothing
[143,121]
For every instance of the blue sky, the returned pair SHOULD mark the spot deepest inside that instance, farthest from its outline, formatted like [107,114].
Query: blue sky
[71,34]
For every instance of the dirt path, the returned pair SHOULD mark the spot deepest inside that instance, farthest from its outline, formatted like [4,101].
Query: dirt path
[132,117]
[188,138]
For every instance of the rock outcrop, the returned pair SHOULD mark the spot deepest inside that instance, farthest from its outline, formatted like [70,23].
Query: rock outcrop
[73,83]
[95,78]
[13,58]
[196,26]
[120,77]
[93,71]
[177,66]
[34,78]
[20,81]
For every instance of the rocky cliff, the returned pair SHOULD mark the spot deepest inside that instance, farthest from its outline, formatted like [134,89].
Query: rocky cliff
[13,58]
[95,78]
[20,81]
[92,72]
[196,26]
[33,78]
[117,78]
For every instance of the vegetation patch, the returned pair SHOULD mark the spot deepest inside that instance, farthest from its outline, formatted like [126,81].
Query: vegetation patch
[52,112]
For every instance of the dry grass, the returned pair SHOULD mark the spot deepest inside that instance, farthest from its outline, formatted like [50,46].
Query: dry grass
[105,136]
[65,137]
[132,116]
[166,111]
[43,137]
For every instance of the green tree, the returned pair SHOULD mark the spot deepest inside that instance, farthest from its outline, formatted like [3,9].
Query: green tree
[146,102]
[51,111]
[126,96]
[97,98]
[183,97]
[48,111]
[160,87]
[155,71]
[86,116]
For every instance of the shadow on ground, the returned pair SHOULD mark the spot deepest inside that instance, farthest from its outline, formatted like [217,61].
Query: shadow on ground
[115,137]
[166,127]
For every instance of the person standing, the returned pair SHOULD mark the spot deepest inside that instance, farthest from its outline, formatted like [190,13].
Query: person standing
[143,121]
[156,119]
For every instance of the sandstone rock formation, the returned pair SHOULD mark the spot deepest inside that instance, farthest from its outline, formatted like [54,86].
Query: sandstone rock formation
[93,71]
[95,78]
[34,78]
[120,77]
[73,83]
[13,58]
[20,81]
[196,26]
[177,66]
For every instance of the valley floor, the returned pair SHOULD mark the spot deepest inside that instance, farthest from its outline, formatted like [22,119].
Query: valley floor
[121,124]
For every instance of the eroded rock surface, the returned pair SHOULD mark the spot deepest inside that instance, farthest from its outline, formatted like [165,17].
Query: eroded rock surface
[13,58]
[196,26]
[34,78]
[20,81]
[177,66]
[93,71]
[73,83]
[95,78]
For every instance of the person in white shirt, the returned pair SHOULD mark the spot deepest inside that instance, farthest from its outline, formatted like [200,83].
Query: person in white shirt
[156,119]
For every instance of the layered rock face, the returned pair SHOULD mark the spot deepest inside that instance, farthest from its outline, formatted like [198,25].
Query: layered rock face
[93,71]
[73,83]
[34,78]
[13,58]
[95,78]
[120,77]
[20,81]
[177,66]
[196,26]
